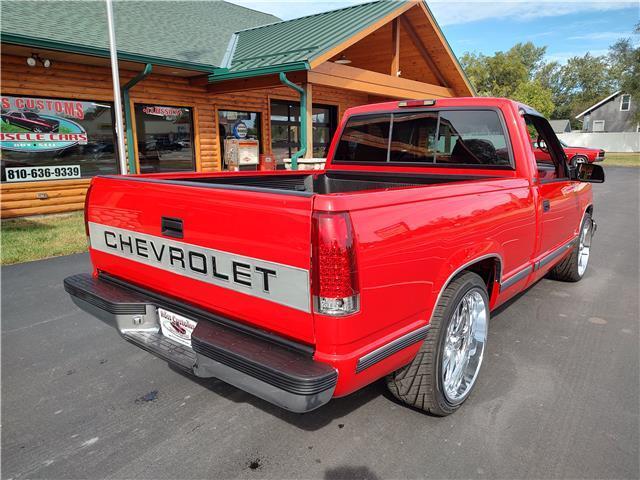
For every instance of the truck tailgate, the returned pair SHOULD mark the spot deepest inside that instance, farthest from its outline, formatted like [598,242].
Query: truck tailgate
[244,254]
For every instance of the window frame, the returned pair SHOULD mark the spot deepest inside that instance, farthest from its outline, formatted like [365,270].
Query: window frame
[333,123]
[192,114]
[95,100]
[435,164]
[622,102]
[593,126]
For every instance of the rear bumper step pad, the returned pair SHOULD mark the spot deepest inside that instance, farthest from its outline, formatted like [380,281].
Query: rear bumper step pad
[283,376]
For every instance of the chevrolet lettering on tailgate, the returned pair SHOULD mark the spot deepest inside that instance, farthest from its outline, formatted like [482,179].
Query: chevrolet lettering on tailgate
[272,281]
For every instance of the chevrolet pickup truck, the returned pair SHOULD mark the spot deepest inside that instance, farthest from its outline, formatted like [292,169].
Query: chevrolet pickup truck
[300,286]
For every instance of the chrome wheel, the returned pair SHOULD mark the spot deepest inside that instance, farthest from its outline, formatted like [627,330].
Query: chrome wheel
[584,246]
[464,344]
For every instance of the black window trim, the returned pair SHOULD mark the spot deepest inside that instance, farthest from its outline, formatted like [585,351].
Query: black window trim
[91,100]
[192,115]
[391,112]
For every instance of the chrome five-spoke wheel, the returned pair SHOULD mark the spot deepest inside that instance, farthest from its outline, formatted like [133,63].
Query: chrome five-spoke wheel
[464,344]
[584,246]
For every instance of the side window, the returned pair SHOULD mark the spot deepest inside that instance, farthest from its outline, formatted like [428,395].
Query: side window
[413,137]
[468,137]
[365,139]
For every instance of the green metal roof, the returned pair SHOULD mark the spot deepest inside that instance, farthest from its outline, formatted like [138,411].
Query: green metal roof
[294,43]
[183,33]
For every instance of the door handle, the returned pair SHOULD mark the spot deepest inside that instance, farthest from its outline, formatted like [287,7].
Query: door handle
[172,227]
[546,205]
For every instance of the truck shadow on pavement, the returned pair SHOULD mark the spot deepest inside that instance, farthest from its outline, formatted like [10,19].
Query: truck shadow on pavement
[487,391]
[311,421]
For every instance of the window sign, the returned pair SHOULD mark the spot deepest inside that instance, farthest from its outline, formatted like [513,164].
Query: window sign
[165,142]
[51,139]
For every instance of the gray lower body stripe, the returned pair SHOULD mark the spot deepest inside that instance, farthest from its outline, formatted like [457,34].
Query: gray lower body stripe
[521,275]
[389,349]
[555,254]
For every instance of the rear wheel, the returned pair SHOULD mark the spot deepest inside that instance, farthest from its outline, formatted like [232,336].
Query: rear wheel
[574,266]
[443,373]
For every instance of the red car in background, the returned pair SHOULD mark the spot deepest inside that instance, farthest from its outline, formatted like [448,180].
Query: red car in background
[582,154]
[575,155]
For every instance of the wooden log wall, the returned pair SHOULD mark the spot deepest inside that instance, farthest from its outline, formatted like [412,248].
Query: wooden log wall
[89,82]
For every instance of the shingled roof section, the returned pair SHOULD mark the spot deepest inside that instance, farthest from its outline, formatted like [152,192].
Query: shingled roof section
[191,32]
[301,39]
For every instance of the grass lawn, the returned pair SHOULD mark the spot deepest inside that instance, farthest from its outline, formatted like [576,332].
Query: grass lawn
[621,160]
[33,238]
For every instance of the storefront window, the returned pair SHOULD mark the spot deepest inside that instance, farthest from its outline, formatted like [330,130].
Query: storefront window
[240,125]
[165,138]
[285,129]
[55,139]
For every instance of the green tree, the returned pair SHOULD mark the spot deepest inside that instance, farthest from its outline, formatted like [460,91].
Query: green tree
[535,95]
[511,74]
[624,61]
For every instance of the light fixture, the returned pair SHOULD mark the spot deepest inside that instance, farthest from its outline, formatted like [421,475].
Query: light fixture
[343,60]
[33,60]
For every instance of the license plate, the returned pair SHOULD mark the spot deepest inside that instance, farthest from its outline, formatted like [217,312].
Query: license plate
[176,327]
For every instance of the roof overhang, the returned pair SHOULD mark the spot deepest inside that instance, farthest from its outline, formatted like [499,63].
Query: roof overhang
[605,100]
[35,42]
[222,74]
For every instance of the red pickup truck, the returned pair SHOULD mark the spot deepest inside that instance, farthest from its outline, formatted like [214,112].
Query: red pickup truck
[303,286]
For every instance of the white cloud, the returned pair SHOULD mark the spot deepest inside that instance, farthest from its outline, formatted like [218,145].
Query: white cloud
[449,12]
[601,36]
[452,13]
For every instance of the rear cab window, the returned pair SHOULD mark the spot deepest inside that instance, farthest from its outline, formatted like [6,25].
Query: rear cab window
[430,138]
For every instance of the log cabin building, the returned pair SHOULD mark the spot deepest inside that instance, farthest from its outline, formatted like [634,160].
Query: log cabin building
[192,74]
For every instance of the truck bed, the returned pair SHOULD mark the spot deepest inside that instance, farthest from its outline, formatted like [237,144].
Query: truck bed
[316,183]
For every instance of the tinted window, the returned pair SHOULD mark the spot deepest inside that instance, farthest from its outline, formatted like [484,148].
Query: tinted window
[364,139]
[54,138]
[413,137]
[468,137]
[165,142]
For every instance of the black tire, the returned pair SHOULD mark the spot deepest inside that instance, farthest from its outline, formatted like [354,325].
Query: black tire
[576,159]
[567,270]
[419,384]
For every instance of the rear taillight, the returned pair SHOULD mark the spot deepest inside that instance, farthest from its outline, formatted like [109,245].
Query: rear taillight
[335,279]
[86,214]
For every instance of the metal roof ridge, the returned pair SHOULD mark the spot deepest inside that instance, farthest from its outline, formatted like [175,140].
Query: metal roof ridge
[318,14]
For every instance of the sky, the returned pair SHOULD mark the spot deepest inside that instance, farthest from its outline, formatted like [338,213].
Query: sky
[569,28]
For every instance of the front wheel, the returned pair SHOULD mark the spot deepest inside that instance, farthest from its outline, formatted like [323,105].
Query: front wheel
[574,266]
[578,159]
[443,373]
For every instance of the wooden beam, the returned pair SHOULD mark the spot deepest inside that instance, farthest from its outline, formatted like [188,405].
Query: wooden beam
[395,48]
[423,51]
[309,120]
[254,83]
[445,44]
[352,78]
[361,34]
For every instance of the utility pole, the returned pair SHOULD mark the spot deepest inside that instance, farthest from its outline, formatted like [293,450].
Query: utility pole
[115,74]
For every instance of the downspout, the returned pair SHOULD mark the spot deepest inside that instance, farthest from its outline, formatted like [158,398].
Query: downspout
[303,123]
[131,151]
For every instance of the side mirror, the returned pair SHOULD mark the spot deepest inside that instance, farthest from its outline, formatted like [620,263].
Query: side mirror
[589,172]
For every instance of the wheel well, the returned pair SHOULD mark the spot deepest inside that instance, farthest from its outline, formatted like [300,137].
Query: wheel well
[489,270]
[590,210]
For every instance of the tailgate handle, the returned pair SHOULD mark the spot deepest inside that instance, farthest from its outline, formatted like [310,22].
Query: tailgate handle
[172,227]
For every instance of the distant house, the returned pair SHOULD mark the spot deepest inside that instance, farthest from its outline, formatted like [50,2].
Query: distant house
[616,113]
[561,126]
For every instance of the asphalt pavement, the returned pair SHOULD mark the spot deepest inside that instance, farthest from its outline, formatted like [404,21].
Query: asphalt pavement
[558,396]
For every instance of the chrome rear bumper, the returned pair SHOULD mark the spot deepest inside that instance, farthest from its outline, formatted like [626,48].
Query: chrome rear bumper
[276,371]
